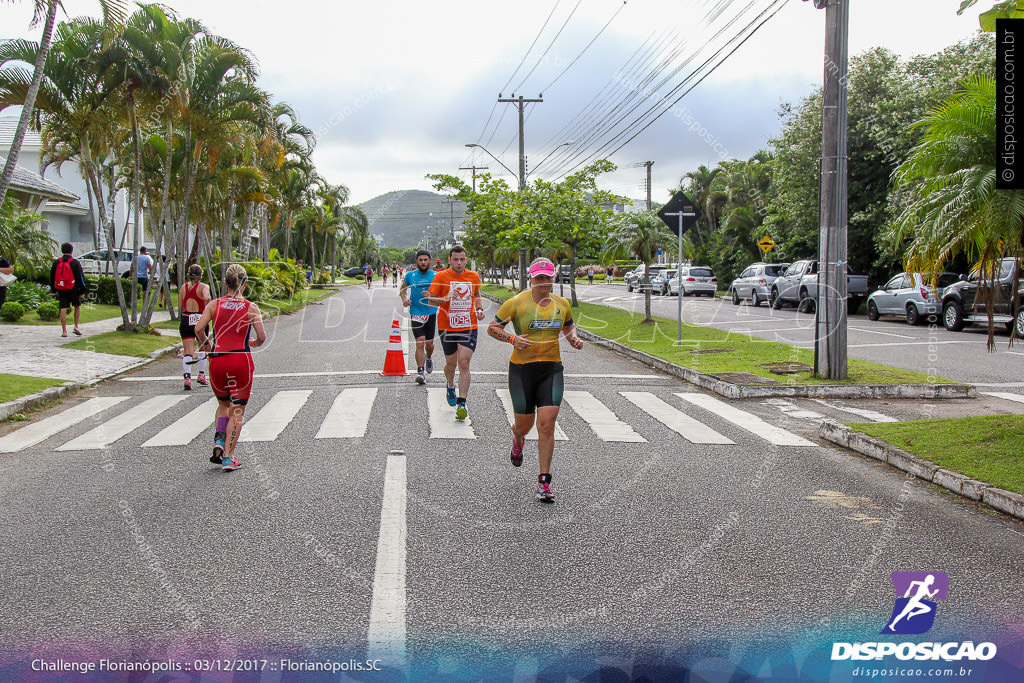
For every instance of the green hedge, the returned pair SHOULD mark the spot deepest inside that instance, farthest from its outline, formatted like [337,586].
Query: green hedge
[29,294]
[12,311]
[48,311]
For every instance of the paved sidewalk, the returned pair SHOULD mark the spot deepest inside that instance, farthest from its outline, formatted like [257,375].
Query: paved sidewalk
[36,351]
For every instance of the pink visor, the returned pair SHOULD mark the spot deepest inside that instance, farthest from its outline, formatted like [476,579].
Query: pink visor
[542,268]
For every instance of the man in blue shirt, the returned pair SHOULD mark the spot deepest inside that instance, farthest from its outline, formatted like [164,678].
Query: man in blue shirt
[145,265]
[423,315]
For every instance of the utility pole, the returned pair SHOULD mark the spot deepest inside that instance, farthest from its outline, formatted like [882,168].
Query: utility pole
[474,169]
[451,206]
[521,102]
[648,164]
[830,333]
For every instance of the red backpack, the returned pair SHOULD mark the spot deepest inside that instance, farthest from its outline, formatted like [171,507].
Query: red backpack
[65,277]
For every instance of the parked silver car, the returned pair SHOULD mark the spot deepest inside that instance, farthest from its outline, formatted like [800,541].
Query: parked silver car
[659,282]
[695,280]
[634,279]
[755,283]
[910,295]
[95,262]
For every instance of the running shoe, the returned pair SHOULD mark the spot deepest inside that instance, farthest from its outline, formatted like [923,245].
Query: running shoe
[188,384]
[430,366]
[202,378]
[452,398]
[420,377]
[544,494]
[462,412]
[229,463]
[218,447]
[517,453]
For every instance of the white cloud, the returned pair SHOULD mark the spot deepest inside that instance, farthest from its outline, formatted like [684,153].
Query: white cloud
[396,88]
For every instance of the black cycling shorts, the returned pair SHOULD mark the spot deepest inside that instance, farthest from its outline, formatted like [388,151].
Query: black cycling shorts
[69,298]
[535,385]
[451,340]
[424,328]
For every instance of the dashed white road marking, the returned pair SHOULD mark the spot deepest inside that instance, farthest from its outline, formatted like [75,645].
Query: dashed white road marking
[443,424]
[184,430]
[386,637]
[270,421]
[872,415]
[1006,396]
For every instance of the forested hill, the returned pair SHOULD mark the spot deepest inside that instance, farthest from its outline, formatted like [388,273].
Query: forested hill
[402,216]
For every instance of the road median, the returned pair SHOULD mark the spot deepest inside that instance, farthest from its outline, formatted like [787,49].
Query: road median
[739,366]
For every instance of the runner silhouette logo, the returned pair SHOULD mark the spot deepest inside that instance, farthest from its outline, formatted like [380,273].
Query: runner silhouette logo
[916,596]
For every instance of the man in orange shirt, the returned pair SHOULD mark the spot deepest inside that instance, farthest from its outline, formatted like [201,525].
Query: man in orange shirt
[456,293]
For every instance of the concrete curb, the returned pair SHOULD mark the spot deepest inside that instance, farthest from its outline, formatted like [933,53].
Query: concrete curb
[737,391]
[1005,501]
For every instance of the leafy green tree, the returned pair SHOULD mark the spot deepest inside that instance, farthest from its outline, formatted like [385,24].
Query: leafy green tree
[949,204]
[22,241]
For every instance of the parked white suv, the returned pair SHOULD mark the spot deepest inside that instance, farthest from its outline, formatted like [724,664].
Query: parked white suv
[634,279]
[695,280]
[95,262]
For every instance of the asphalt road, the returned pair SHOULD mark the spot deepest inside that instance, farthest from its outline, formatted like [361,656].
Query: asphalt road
[649,545]
[929,349]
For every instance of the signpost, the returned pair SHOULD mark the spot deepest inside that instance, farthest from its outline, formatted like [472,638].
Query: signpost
[682,208]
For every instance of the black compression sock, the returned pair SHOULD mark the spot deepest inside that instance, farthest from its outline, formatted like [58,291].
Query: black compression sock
[544,478]
[460,401]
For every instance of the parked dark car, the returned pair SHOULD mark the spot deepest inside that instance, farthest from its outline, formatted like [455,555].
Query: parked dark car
[965,302]
[564,273]
[354,271]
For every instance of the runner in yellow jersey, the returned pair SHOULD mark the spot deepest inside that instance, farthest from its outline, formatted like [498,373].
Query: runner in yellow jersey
[535,378]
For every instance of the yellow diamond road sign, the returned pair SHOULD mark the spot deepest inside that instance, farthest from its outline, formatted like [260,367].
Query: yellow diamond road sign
[766,244]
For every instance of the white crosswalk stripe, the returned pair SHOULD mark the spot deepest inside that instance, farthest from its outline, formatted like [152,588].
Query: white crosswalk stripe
[746,421]
[506,402]
[350,412]
[119,426]
[184,430]
[443,424]
[601,419]
[270,421]
[37,432]
[349,416]
[1016,398]
[679,422]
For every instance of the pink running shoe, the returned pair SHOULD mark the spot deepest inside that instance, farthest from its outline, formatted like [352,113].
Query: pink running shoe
[517,453]
[544,494]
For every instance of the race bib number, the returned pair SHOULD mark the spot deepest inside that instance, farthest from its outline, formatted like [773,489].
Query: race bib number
[422,319]
[193,318]
[460,319]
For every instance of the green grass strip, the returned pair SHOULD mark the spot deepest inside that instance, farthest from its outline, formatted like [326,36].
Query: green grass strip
[710,351]
[16,386]
[986,448]
[139,345]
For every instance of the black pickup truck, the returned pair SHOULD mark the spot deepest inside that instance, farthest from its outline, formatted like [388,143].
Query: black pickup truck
[966,302]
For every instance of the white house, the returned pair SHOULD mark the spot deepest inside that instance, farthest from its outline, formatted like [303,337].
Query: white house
[65,216]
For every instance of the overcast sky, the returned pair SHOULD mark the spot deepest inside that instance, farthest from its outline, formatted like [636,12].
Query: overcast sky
[395,89]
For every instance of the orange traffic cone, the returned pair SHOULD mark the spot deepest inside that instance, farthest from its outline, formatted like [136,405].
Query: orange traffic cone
[394,361]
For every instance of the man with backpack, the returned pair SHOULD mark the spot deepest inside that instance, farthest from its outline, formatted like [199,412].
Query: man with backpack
[67,278]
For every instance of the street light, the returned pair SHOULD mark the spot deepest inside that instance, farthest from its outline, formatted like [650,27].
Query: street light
[564,144]
[473,144]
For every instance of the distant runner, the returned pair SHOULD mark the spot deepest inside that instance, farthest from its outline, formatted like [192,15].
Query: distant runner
[423,316]
[535,373]
[368,273]
[193,296]
[438,266]
[231,367]
[456,291]
[384,275]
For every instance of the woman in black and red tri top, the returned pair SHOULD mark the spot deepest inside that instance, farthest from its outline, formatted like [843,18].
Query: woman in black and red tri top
[192,297]
[231,367]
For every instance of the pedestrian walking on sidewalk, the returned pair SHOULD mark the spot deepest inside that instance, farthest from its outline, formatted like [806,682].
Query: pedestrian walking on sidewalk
[535,371]
[231,368]
[590,276]
[422,315]
[144,267]
[67,278]
[456,293]
[6,278]
[193,301]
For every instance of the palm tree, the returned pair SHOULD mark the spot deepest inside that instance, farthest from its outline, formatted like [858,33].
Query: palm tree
[947,197]
[20,234]
[640,235]
[113,16]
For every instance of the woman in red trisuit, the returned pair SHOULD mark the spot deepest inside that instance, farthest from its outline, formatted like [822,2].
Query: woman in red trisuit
[234,320]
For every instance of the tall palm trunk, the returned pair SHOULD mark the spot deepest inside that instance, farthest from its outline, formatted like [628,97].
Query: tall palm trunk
[109,231]
[246,239]
[136,204]
[287,234]
[30,100]
[225,240]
